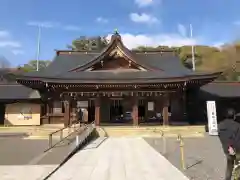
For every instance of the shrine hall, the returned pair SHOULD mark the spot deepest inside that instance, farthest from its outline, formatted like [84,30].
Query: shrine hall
[116,85]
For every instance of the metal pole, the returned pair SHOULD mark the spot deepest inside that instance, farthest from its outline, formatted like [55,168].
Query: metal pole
[193,55]
[164,144]
[61,135]
[38,45]
[182,152]
[77,140]
[50,141]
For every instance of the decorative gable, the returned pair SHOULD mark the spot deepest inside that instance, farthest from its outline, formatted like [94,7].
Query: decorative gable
[114,57]
[116,60]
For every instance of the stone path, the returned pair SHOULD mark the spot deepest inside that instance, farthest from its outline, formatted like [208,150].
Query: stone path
[25,172]
[118,159]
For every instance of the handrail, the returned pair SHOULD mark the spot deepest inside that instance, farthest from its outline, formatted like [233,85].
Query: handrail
[78,141]
[74,123]
[50,136]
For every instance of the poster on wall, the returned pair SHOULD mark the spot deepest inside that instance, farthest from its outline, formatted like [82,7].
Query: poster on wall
[25,113]
[150,106]
[212,118]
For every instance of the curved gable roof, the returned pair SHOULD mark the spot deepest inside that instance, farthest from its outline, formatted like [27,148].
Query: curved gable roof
[115,44]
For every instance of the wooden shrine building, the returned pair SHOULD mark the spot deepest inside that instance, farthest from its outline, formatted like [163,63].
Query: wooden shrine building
[115,85]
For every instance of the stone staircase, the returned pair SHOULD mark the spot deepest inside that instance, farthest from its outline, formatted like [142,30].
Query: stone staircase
[156,131]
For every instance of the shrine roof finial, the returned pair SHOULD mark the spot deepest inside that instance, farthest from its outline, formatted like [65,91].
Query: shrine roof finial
[116,31]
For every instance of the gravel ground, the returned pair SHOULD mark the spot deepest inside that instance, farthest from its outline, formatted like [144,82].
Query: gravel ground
[204,157]
[18,151]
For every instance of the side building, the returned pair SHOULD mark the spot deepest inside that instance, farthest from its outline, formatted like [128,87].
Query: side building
[225,94]
[19,105]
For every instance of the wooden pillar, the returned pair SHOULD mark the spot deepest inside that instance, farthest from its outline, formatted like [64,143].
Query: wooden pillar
[184,101]
[48,112]
[73,112]
[66,113]
[165,110]
[159,107]
[135,111]
[97,111]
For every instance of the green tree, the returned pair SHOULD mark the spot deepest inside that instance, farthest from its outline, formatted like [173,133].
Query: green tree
[88,43]
[207,58]
[32,65]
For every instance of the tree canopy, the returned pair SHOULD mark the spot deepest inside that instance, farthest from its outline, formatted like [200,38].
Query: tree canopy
[32,65]
[88,43]
[207,58]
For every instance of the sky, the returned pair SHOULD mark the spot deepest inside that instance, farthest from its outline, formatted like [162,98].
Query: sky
[140,22]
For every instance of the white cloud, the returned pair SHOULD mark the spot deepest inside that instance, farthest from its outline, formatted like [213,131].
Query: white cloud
[133,41]
[4,34]
[6,41]
[71,28]
[9,44]
[219,45]
[143,18]
[182,30]
[143,3]
[17,52]
[44,24]
[102,20]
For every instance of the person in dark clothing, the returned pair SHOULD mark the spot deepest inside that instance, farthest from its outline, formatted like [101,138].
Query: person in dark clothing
[229,135]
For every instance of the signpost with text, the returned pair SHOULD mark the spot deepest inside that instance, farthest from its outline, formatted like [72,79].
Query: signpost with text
[212,118]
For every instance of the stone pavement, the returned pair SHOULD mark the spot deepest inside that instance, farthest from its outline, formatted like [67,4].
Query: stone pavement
[122,158]
[25,172]
[204,157]
[24,159]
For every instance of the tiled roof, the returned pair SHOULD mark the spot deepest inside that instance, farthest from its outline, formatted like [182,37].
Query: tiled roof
[160,65]
[222,89]
[10,90]
[17,92]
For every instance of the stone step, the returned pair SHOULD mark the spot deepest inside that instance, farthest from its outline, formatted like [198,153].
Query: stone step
[163,128]
[140,132]
[101,132]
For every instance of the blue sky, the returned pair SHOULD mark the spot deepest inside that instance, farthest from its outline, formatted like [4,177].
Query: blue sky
[140,22]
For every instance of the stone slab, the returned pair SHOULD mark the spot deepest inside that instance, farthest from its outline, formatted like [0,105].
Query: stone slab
[25,172]
[118,159]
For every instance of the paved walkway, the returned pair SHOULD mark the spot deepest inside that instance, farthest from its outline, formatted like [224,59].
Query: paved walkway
[118,159]
[25,172]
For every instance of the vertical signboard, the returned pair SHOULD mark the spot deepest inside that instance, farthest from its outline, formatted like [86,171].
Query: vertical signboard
[212,118]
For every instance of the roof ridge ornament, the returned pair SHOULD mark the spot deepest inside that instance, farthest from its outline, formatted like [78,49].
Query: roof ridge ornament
[116,35]
[116,31]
